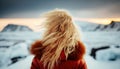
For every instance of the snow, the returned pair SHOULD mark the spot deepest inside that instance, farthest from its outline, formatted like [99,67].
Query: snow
[109,54]
[23,64]
[19,50]
[91,64]
[4,59]
[6,43]
[20,35]
[15,28]
[105,55]
[20,42]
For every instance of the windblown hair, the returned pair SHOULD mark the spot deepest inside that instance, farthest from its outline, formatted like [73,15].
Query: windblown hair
[61,35]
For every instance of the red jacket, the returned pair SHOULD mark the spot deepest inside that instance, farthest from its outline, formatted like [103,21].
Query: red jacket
[74,61]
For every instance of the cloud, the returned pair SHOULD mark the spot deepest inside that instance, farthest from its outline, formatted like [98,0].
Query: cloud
[79,8]
[103,11]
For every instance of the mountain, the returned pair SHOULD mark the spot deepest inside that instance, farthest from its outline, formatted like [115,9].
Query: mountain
[88,26]
[84,26]
[15,28]
[113,26]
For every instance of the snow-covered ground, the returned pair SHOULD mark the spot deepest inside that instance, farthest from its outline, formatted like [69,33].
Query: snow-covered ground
[23,64]
[91,64]
[14,49]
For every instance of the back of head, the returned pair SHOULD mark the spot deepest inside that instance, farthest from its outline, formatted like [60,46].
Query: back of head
[61,35]
[57,20]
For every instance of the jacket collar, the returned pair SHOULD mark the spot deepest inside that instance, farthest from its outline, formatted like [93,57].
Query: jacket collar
[62,56]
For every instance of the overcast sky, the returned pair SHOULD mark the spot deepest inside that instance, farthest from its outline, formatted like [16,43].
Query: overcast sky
[78,8]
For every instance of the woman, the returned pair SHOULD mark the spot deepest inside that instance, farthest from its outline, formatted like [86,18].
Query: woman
[60,47]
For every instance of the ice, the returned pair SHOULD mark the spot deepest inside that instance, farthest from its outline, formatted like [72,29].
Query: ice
[20,49]
[6,43]
[91,64]
[5,57]
[19,43]
[15,52]
[23,64]
[106,55]
[111,53]
[20,35]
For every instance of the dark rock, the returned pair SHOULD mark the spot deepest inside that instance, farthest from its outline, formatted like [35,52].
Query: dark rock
[94,50]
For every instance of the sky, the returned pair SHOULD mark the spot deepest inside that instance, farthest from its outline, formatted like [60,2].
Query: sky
[28,12]
[78,8]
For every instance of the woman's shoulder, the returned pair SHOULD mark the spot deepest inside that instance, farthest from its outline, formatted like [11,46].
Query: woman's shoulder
[36,63]
[35,47]
[78,53]
[81,61]
[82,64]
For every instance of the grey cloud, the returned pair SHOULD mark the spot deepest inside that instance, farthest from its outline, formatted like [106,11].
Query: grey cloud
[83,8]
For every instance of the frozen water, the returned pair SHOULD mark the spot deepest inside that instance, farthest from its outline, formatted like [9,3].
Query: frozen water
[19,43]
[108,54]
[19,50]
[5,57]
[91,64]
[23,64]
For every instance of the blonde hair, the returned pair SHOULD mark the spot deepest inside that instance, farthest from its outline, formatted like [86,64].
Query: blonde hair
[61,35]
